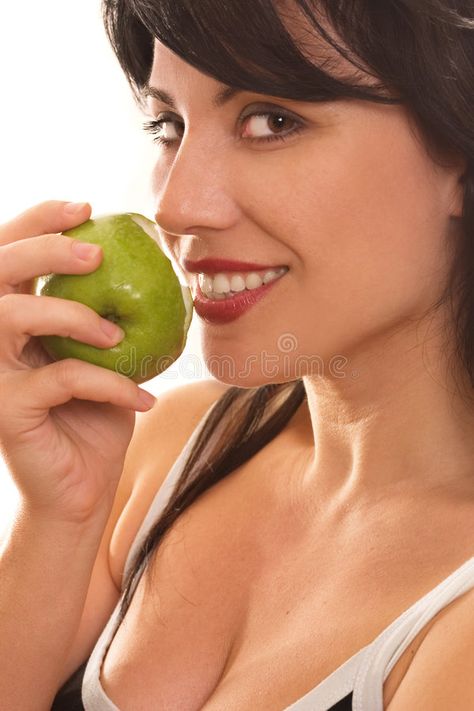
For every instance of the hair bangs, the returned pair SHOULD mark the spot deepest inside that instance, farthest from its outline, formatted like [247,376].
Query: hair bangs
[248,46]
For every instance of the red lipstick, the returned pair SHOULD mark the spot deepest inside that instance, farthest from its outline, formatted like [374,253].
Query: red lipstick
[214,266]
[225,310]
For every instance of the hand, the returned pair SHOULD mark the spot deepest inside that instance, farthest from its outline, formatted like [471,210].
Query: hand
[65,426]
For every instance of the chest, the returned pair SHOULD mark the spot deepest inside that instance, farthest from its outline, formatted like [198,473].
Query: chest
[239,610]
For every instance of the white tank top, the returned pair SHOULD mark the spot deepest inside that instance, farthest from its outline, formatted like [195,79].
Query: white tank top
[362,675]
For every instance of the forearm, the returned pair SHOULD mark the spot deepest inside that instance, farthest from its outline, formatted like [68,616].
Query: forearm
[45,569]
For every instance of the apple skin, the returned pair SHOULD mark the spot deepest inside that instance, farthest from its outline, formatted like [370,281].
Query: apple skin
[136,287]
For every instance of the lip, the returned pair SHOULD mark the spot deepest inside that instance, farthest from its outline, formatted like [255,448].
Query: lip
[214,266]
[220,312]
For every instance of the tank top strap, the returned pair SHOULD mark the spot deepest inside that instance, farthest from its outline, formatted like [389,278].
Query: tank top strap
[164,493]
[93,695]
[381,656]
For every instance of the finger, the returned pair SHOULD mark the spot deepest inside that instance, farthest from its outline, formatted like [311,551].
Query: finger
[46,217]
[26,315]
[36,256]
[59,382]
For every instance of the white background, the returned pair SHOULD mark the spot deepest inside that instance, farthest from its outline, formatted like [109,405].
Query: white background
[70,130]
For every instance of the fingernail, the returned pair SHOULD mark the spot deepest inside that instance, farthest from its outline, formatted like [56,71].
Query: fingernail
[72,208]
[84,250]
[112,330]
[146,399]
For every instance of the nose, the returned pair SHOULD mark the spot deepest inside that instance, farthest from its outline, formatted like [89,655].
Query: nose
[194,193]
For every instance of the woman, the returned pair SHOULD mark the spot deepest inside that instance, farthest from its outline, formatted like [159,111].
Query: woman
[301,537]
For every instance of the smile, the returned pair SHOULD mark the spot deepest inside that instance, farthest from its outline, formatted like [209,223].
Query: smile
[224,285]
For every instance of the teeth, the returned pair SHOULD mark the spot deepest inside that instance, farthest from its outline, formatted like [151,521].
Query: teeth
[205,282]
[253,281]
[269,276]
[221,286]
[237,283]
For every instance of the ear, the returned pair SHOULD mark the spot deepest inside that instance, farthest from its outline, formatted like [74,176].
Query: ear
[459,176]
[458,197]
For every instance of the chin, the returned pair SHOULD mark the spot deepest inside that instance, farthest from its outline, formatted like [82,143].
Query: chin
[245,377]
[246,360]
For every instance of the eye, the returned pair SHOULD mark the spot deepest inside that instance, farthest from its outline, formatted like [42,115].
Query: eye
[278,121]
[156,126]
[255,122]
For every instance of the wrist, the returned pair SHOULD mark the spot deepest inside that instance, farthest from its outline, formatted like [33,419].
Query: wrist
[58,524]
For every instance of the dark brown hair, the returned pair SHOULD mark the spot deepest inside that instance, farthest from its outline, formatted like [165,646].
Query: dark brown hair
[420,50]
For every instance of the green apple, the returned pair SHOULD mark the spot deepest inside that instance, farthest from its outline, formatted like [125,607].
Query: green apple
[135,286]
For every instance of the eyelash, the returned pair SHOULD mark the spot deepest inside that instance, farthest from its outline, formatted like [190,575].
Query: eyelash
[155,125]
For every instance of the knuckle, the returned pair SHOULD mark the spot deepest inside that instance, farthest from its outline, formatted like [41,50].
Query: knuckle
[65,372]
[9,306]
[58,244]
[10,253]
[34,220]
[68,313]
[39,215]
[7,230]
[48,206]
[85,313]
[5,260]
[34,211]
[51,242]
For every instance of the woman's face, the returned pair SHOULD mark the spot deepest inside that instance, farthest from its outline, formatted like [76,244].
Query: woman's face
[350,202]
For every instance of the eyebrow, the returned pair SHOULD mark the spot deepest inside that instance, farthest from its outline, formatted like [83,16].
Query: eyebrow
[223,96]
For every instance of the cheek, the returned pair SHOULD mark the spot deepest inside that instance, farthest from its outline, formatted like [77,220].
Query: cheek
[365,230]
[389,231]
[363,217]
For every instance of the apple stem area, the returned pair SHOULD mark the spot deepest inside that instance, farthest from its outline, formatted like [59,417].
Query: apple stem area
[111,317]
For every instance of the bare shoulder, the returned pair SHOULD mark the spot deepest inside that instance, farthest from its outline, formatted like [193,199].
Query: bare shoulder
[439,677]
[178,410]
[160,435]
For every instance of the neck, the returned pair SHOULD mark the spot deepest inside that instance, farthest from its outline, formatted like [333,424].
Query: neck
[397,420]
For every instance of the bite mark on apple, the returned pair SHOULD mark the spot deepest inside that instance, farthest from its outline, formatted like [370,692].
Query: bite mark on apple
[150,228]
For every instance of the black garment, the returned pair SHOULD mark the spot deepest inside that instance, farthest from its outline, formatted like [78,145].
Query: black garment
[69,696]
[344,704]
